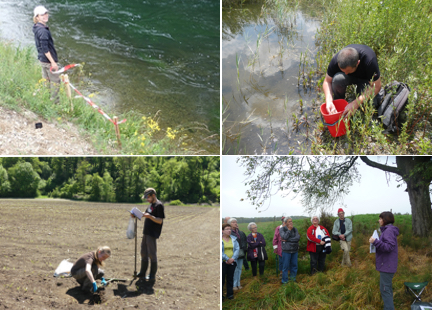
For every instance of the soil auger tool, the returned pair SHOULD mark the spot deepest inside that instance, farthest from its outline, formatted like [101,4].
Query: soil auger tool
[108,281]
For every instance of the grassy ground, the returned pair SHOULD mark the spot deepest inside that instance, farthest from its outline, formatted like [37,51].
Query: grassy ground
[400,34]
[21,86]
[337,288]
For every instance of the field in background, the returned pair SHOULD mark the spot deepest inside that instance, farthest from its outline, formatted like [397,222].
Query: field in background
[36,235]
[337,288]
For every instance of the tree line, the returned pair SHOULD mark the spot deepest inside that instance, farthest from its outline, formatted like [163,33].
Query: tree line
[265,219]
[112,179]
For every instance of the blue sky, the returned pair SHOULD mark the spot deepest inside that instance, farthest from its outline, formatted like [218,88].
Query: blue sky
[371,195]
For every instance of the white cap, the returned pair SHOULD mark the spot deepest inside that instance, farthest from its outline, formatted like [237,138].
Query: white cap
[39,10]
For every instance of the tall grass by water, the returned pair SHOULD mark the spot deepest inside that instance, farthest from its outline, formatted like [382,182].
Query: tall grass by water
[338,287]
[21,86]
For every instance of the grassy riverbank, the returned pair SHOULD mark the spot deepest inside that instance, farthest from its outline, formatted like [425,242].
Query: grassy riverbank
[400,34]
[337,287]
[21,86]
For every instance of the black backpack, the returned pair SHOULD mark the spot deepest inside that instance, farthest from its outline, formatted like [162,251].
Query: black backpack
[395,96]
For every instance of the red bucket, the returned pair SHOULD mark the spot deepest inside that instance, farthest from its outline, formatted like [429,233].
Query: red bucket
[333,122]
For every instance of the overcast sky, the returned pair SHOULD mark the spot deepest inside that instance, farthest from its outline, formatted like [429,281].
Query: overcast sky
[371,195]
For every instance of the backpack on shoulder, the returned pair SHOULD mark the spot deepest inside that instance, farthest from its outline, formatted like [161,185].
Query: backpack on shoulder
[391,110]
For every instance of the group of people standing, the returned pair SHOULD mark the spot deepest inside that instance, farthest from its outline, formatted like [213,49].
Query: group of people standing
[236,247]
[238,250]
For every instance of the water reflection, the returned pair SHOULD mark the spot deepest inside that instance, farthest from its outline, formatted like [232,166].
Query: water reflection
[261,52]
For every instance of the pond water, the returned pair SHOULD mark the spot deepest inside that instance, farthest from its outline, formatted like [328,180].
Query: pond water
[143,56]
[261,89]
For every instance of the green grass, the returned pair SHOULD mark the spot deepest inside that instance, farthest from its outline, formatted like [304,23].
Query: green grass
[336,288]
[21,86]
[400,34]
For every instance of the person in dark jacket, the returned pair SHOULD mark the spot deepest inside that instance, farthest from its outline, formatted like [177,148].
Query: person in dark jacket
[47,53]
[241,238]
[386,256]
[315,245]
[290,246]
[256,249]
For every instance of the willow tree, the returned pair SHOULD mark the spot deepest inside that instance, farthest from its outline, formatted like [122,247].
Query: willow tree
[324,181]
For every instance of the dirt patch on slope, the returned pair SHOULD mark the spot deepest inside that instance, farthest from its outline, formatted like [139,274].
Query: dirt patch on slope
[19,136]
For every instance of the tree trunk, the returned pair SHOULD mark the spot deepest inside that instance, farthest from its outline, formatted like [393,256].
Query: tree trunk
[420,208]
[419,196]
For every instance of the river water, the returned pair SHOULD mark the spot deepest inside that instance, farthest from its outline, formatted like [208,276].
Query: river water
[261,51]
[143,56]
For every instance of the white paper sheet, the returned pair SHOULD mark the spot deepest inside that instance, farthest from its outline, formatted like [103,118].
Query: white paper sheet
[372,247]
[135,211]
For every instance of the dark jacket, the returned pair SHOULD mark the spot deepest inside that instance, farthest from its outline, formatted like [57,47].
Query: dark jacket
[292,238]
[242,242]
[44,42]
[259,245]
[387,249]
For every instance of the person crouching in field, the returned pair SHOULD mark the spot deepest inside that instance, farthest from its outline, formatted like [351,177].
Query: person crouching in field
[315,245]
[86,269]
[47,53]
[342,227]
[355,64]
[386,261]
[256,249]
[290,246]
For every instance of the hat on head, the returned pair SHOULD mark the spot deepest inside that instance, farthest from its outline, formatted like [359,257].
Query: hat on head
[340,210]
[39,10]
[148,192]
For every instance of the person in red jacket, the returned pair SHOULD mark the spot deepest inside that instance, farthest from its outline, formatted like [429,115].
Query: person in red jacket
[315,245]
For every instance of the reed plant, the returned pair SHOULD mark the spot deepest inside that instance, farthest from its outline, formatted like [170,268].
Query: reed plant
[337,287]
[21,87]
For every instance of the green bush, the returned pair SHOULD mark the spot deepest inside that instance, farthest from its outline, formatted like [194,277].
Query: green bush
[176,203]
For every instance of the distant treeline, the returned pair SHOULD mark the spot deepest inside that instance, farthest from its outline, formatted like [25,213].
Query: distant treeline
[112,179]
[265,219]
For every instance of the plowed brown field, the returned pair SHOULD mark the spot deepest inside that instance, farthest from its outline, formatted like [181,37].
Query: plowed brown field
[36,235]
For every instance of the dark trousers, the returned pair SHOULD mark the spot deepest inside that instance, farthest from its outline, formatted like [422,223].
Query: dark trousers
[228,274]
[341,81]
[245,264]
[149,248]
[317,259]
[261,264]
[81,276]
[387,290]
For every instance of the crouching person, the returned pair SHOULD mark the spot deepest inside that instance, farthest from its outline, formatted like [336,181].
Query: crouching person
[86,269]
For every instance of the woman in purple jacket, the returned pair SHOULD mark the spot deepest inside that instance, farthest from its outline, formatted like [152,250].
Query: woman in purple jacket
[256,249]
[386,256]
